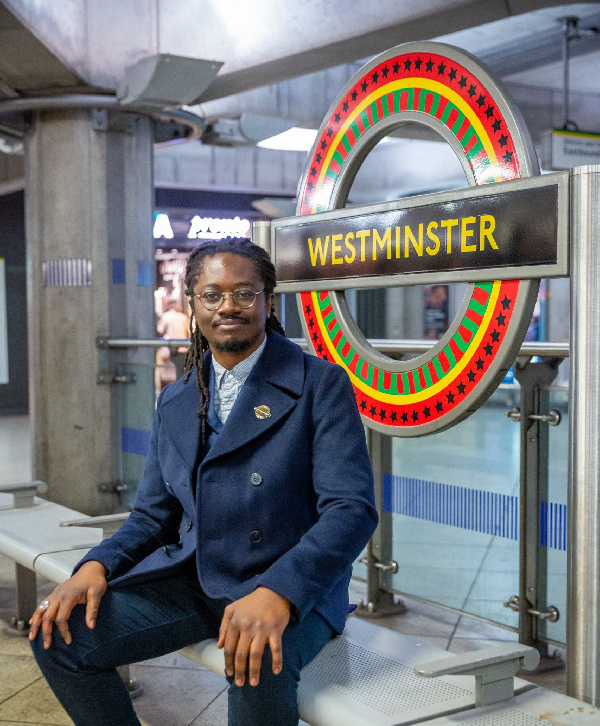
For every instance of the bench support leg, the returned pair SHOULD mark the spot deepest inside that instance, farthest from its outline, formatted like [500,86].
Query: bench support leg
[133,686]
[26,600]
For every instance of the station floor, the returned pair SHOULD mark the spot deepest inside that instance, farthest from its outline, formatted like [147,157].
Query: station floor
[178,692]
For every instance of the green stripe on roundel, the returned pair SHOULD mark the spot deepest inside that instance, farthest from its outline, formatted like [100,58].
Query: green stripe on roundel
[346,144]
[460,343]
[416,381]
[331,174]
[323,303]
[427,376]
[477,149]
[375,112]
[365,120]
[405,386]
[450,356]
[410,92]
[423,98]
[470,325]
[338,157]
[328,319]
[464,142]
[486,286]
[385,105]
[438,367]
[351,352]
[370,371]
[334,331]
[476,307]
[355,130]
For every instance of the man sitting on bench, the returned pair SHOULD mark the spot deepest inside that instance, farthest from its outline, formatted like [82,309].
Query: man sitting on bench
[256,499]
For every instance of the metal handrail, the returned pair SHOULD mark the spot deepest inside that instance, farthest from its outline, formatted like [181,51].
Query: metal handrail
[388,347]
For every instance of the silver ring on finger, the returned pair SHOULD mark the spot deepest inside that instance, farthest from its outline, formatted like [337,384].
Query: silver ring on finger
[44,605]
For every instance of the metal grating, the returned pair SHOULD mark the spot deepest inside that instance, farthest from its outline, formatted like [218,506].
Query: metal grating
[384,685]
[506,718]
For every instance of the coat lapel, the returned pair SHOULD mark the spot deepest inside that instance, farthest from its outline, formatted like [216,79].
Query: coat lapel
[276,381]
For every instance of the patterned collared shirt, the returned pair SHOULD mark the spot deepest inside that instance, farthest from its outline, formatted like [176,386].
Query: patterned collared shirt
[228,384]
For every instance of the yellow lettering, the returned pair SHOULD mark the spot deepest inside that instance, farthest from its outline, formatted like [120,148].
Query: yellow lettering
[397,243]
[381,242]
[362,235]
[448,224]
[434,238]
[487,225]
[319,250]
[466,233]
[350,246]
[335,248]
[409,237]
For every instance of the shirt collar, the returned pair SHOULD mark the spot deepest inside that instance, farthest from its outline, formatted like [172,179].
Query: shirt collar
[242,370]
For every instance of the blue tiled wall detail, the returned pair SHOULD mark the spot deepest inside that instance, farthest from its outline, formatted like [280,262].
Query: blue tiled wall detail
[135,441]
[553,525]
[145,273]
[473,509]
[118,271]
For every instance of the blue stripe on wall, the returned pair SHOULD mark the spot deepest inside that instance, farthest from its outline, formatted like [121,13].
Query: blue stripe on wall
[135,441]
[145,273]
[118,271]
[473,509]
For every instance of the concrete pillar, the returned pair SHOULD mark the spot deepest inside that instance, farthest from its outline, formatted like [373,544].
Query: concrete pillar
[90,269]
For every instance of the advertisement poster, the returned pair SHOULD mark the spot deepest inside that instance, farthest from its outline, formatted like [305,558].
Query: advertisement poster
[435,311]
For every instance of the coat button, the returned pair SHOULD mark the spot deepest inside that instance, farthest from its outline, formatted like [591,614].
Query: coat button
[256,479]
[255,536]
[168,486]
[189,525]
[166,550]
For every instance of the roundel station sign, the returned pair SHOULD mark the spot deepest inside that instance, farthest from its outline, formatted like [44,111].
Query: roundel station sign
[433,238]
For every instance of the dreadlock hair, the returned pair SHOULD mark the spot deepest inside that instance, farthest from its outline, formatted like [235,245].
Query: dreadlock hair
[242,247]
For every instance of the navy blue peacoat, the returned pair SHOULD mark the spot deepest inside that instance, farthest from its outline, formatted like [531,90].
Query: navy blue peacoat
[285,502]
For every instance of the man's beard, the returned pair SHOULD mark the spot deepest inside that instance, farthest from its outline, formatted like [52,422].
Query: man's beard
[235,346]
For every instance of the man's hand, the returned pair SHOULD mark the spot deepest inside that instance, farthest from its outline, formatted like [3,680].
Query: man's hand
[85,587]
[248,625]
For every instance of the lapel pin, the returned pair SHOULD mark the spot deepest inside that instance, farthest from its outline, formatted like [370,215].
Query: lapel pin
[262,412]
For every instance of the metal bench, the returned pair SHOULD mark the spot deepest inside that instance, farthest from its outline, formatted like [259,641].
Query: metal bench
[369,676]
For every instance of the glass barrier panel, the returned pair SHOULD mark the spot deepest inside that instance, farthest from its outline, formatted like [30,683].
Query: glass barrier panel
[552,552]
[454,498]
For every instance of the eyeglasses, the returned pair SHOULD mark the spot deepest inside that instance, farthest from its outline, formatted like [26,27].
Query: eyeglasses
[243,298]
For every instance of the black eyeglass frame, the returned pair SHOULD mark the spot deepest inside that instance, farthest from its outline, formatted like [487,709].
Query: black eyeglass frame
[234,297]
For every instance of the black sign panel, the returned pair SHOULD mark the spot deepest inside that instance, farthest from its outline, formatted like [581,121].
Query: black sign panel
[483,231]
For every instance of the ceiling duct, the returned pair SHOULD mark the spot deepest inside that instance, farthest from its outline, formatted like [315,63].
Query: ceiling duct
[244,130]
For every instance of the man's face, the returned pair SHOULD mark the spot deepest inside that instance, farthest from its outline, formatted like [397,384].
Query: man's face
[231,329]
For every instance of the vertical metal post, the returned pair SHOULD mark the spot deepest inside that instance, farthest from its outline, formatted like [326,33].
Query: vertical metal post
[26,600]
[583,529]
[380,600]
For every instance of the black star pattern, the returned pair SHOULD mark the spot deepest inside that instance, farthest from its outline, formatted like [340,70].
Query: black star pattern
[501,319]
[463,81]
[489,111]
[461,389]
[346,106]
[450,397]
[310,186]
[472,91]
[382,414]
[319,348]
[323,145]
[315,337]
[415,416]
[481,100]
[393,416]
[452,74]
[363,86]
[396,67]
[427,412]
[503,140]
[337,118]
[363,405]
[496,125]
[438,407]
[479,364]
[324,356]
[313,171]
[441,69]
[495,336]
[329,131]
[311,323]
[308,309]
[471,376]
[404,417]
[319,158]
[508,157]
[429,66]
[506,303]
[407,65]
[418,64]
[373,411]
[375,77]
[488,349]
[385,71]
[354,95]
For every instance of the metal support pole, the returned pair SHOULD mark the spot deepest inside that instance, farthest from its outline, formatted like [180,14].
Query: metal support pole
[26,600]
[583,528]
[533,487]
[380,599]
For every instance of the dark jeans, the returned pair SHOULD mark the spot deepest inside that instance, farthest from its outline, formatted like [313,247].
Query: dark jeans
[141,621]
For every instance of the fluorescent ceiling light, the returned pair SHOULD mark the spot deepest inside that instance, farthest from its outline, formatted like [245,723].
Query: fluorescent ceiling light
[296,139]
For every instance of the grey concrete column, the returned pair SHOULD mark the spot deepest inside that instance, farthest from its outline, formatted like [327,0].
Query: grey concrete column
[89,202]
